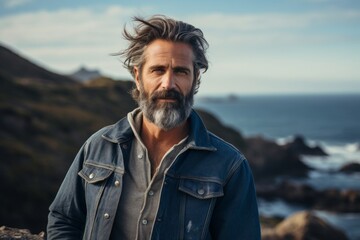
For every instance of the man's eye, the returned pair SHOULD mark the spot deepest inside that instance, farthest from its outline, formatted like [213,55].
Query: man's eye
[158,70]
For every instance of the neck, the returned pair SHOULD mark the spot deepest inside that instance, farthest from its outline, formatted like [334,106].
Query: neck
[158,141]
[151,133]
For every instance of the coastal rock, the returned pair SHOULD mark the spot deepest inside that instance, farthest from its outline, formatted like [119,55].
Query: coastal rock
[350,168]
[7,233]
[338,200]
[268,159]
[332,199]
[296,193]
[303,226]
[299,146]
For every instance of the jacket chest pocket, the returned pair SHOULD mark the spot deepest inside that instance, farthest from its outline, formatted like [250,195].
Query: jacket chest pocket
[95,177]
[197,203]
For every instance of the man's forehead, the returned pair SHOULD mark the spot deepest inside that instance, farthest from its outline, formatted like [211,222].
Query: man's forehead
[163,50]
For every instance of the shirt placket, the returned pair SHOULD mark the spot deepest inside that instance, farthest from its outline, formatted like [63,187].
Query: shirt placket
[152,195]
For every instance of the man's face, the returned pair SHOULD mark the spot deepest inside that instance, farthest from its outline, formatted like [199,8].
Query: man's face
[166,83]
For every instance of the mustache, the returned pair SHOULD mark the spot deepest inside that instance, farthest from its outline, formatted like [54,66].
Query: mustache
[167,94]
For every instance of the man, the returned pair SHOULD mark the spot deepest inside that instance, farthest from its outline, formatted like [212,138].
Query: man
[158,173]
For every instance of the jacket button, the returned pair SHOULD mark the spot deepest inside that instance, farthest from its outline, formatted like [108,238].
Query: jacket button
[144,221]
[151,193]
[91,176]
[201,191]
[106,216]
[117,183]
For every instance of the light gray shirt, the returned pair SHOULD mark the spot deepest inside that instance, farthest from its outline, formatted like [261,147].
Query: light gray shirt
[140,196]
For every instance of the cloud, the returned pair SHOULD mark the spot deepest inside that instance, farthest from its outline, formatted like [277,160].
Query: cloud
[263,46]
[15,3]
[274,21]
[68,37]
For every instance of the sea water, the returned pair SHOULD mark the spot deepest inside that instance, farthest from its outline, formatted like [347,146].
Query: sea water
[330,121]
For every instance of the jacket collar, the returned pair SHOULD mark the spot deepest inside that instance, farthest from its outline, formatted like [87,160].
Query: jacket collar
[198,137]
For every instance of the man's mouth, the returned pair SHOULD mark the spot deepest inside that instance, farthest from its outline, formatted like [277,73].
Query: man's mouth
[167,99]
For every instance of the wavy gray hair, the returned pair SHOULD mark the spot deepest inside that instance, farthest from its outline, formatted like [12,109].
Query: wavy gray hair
[162,27]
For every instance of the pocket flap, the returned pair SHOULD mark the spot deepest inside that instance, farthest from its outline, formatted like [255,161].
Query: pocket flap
[93,173]
[201,189]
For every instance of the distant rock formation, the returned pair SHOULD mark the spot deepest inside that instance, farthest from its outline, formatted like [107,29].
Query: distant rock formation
[7,233]
[299,146]
[303,226]
[84,74]
[350,168]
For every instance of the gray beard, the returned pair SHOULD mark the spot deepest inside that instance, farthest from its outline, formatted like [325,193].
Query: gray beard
[166,115]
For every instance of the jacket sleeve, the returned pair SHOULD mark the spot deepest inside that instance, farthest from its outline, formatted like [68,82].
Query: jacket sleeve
[66,219]
[236,213]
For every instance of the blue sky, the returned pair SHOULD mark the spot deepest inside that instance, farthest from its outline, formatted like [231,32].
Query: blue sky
[256,47]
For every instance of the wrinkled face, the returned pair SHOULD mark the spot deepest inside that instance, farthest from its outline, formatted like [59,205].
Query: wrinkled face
[166,83]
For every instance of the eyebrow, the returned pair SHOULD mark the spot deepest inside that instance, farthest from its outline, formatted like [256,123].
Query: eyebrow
[181,69]
[157,67]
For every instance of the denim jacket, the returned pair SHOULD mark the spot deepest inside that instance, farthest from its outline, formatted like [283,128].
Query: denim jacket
[207,193]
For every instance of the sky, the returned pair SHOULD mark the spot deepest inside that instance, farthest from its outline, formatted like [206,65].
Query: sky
[256,47]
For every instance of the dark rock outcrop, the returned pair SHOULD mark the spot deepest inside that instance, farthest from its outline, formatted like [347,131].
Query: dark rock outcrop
[84,74]
[350,168]
[269,159]
[298,146]
[303,226]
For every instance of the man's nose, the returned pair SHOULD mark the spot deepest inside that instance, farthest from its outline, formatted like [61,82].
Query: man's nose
[168,80]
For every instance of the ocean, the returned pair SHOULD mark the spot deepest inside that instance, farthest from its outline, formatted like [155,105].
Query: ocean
[330,121]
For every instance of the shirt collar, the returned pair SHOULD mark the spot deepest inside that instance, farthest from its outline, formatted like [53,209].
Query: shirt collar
[125,129]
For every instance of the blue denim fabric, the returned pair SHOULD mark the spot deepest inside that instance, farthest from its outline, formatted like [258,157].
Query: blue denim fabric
[208,193]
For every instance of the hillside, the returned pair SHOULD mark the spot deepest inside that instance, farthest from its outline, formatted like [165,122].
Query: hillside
[45,118]
[15,66]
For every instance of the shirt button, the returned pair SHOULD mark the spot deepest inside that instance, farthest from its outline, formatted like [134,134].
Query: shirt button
[201,191]
[125,146]
[117,183]
[151,193]
[144,221]
[106,216]
[140,156]
[91,176]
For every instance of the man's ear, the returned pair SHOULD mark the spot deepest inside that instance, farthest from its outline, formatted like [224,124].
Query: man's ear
[137,77]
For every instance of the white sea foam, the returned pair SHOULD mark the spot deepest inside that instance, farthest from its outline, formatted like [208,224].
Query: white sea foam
[339,155]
